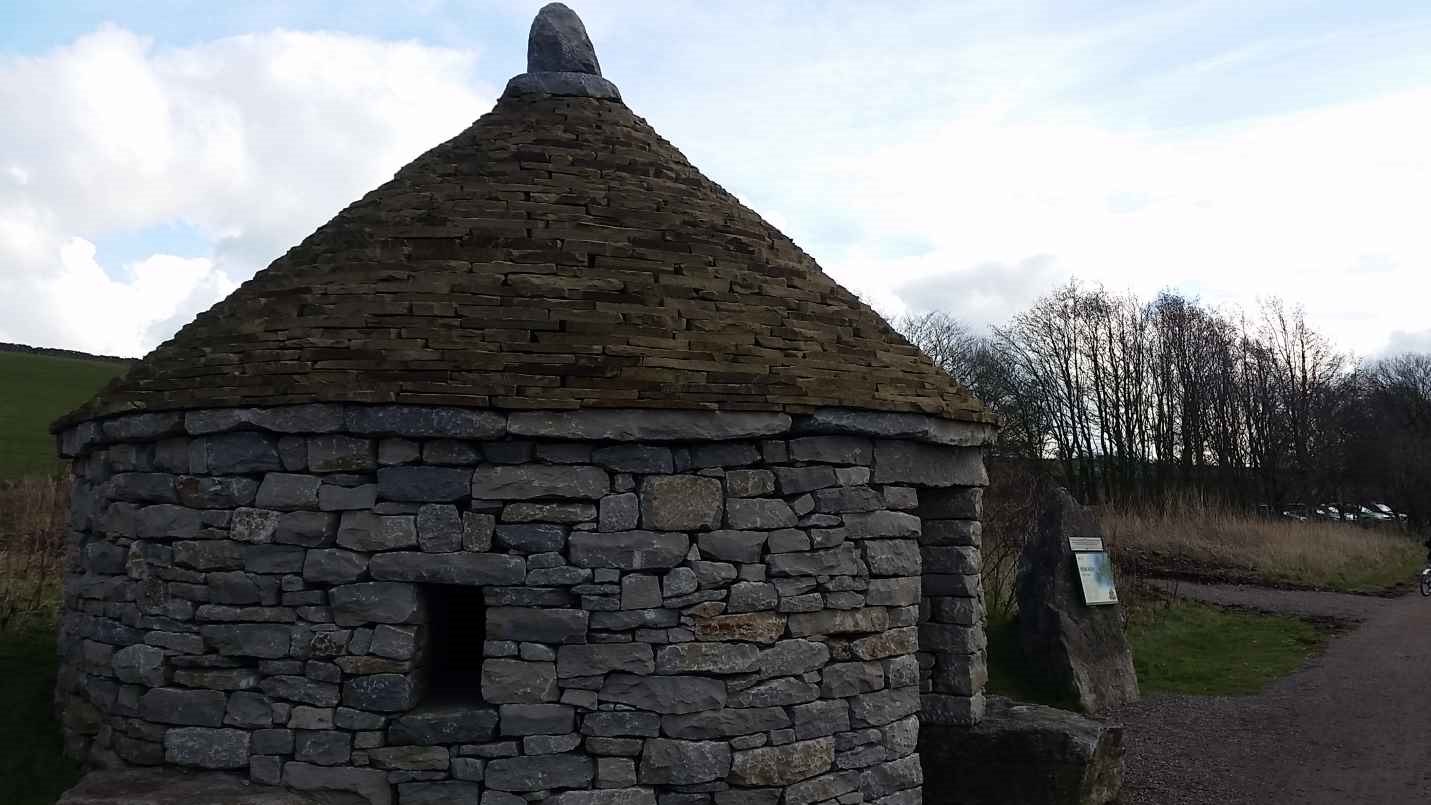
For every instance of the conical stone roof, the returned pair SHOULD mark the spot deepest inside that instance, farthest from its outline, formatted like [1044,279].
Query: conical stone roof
[558,254]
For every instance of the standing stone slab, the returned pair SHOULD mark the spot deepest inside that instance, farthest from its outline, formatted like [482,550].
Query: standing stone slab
[1080,649]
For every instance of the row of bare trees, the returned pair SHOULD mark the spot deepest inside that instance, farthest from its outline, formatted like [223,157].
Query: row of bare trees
[1134,400]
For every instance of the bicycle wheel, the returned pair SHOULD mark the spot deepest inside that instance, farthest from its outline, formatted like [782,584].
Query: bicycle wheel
[1426,582]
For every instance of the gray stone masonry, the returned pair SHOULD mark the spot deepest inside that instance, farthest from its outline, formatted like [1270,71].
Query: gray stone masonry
[757,613]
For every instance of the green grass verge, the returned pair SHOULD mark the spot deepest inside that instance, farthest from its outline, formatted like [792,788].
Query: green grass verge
[1205,650]
[1185,648]
[33,769]
[34,390]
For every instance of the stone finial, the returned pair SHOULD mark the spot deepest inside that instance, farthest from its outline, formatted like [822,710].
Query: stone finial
[561,59]
[558,43]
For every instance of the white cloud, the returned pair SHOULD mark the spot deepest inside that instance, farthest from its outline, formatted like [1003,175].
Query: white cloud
[253,141]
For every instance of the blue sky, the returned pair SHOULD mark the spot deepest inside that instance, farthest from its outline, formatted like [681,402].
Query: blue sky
[960,155]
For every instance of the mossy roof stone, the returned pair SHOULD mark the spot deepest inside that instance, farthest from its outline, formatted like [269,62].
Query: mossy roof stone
[558,254]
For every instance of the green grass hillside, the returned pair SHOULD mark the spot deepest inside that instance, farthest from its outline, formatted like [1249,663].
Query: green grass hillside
[35,388]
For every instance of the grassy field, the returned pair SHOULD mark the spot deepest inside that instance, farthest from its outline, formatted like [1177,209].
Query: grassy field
[1204,650]
[33,770]
[1190,538]
[35,389]
[1184,648]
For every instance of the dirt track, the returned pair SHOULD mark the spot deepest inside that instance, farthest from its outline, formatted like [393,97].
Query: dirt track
[1352,726]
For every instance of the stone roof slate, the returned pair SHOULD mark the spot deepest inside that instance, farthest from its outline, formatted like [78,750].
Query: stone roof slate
[558,254]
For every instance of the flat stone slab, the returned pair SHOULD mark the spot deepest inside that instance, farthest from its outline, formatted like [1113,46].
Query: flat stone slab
[179,787]
[1022,754]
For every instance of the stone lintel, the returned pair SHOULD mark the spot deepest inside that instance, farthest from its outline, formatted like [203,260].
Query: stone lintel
[647,426]
[893,425]
[429,422]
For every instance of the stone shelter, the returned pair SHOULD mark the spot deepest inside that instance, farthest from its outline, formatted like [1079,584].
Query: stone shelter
[546,471]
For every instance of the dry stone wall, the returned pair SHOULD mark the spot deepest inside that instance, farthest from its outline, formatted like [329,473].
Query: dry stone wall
[427,605]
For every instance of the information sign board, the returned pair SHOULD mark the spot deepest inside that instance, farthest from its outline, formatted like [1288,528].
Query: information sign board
[1095,572]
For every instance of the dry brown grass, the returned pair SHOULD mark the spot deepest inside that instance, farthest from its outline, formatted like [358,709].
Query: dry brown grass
[33,512]
[1192,537]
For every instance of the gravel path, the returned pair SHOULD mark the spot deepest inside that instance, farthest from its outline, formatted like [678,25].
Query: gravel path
[1352,726]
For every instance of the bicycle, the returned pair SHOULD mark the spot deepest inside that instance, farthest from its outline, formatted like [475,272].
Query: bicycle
[1426,581]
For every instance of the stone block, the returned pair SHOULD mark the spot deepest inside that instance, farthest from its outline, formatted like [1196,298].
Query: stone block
[783,765]
[752,596]
[144,487]
[548,512]
[310,529]
[733,546]
[439,528]
[365,531]
[927,465]
[759,514]
[726,723]
[534,718]
[533,481]
[601,658]
[532,537]
[664,694]
[322,747]
[628,550]
[253,526]
[215,493]
[287,491]
[893,557]
[884,706]
[832,621]
[507,681]
[1024,753]
[833,450]
[639,591]
[371,784]
[619,512]
[723,454]
[749,483]
[822,718]
[452,452]
[669,762]
[334,566]
[707,658]
[242,453]
[882,524]
[844,679]
[539,772]
[798,480]
[199,708]
[411,758]
[265,640]
[680,502]
[381,693]
[444,724]
[537,625]
[273,559]
[375,602]
[426,422]
[636,458]
[423,484]
[476,569]
[207,748]
[139,664]
[334,498]
[842,560]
